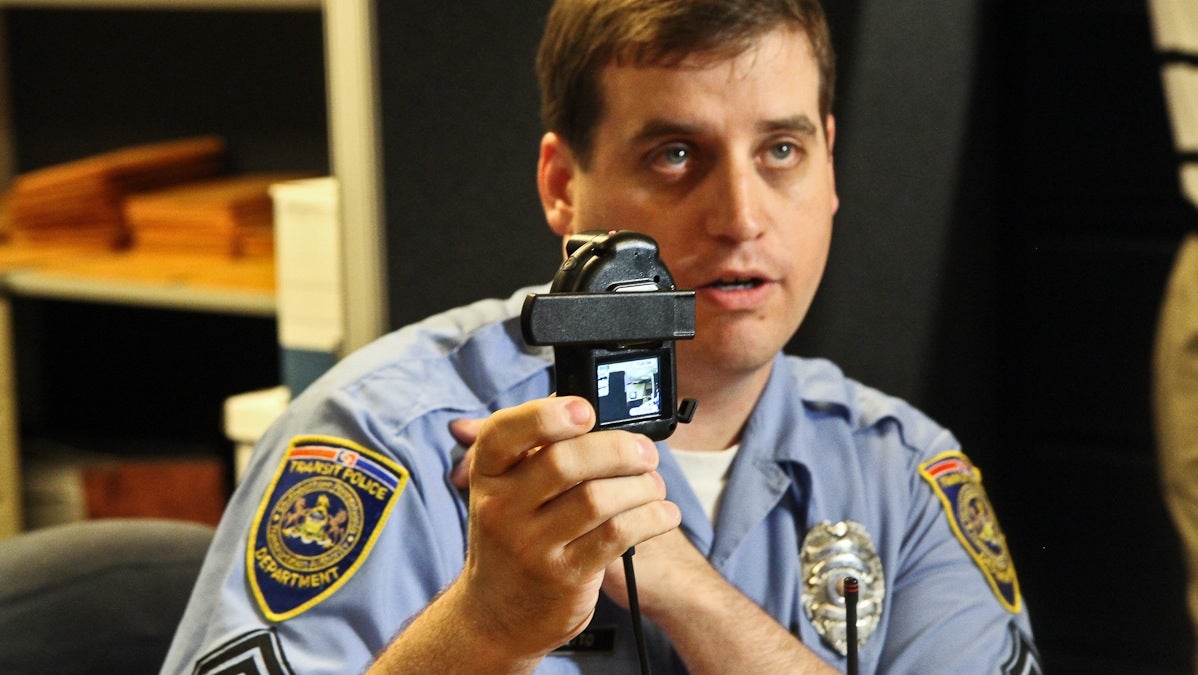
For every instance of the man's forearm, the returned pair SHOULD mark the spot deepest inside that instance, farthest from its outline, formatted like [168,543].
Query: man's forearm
[450,636]
[716,629]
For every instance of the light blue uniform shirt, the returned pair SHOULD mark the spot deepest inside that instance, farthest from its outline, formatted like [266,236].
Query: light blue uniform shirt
[818,447]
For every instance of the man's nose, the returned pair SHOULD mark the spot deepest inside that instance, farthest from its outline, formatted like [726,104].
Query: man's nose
[737,202]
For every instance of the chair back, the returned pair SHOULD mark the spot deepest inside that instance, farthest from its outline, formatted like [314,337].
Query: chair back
[99,596]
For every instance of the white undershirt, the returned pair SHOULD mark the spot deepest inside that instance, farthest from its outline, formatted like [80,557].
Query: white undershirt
[707,473]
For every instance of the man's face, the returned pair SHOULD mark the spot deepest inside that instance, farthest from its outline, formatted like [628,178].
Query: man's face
[726,164]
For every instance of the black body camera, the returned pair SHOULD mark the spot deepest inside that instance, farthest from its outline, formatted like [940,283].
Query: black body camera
[612,315]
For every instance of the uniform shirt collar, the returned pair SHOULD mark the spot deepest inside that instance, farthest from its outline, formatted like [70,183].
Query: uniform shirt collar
[780,430]
[779,442]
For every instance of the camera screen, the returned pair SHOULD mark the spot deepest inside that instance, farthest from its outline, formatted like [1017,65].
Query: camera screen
[629,389]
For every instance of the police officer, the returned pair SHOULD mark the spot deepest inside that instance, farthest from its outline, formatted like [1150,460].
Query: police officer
[359,536]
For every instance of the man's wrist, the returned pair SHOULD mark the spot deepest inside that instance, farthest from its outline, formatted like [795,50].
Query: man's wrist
[454,635]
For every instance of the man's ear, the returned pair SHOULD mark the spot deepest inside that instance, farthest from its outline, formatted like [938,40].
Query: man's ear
[555,172]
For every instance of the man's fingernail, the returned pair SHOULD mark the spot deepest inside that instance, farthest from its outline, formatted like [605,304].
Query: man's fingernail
[579,412]
[645,446]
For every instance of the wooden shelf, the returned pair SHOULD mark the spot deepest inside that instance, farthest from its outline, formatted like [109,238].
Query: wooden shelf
[242,286]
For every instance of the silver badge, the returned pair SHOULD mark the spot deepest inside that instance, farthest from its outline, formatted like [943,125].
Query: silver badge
[829,554]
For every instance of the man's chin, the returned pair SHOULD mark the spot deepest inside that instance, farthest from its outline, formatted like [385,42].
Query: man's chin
[730,358]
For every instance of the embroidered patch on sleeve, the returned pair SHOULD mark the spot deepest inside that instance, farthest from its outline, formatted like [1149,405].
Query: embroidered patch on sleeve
[958,484]
[318,521]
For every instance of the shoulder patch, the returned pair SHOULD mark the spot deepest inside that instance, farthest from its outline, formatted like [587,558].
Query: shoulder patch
[958,484]
[319,519]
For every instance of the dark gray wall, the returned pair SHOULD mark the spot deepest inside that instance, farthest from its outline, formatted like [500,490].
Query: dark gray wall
[88,81]
[461,131]
[1089,215]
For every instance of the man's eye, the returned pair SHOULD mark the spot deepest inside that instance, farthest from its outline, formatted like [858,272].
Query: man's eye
[674,156]
[782,151]
[782,155]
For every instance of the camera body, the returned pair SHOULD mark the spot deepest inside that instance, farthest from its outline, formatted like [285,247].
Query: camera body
[612,315]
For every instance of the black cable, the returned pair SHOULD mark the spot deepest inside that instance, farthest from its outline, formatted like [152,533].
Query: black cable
[850,623]
[634,606]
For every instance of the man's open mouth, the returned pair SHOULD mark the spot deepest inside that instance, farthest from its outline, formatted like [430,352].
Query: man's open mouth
[736,284]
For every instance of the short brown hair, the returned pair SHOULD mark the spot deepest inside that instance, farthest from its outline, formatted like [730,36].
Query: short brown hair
[583,36]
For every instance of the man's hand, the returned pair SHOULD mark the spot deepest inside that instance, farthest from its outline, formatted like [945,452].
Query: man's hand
[551,506]
[715,628]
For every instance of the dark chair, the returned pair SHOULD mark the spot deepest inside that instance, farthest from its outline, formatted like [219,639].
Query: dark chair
[100,596]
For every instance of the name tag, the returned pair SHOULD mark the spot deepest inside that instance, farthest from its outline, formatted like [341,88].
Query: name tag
[593,640]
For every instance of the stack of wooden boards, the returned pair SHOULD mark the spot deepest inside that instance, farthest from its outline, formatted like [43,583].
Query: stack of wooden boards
[223,216]
[162,197]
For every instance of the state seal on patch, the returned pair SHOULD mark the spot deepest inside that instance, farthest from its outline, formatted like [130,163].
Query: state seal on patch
[831,552]
[319,519]
[958,484]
